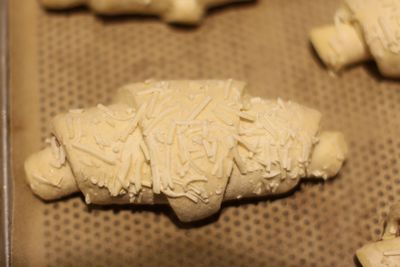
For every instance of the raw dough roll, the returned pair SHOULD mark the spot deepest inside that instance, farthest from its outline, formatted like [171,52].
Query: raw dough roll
[173,11]
[191,144]
[363,30]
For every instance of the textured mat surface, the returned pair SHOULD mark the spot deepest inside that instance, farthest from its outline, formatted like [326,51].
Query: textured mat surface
[73,59]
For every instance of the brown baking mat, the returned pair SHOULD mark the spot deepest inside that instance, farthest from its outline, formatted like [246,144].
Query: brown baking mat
[73,59]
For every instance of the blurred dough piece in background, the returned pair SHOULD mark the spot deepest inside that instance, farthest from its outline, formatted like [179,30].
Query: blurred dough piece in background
[172,11]
[362,30]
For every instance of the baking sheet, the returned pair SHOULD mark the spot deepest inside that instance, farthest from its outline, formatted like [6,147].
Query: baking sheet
[73,59]
[5,179]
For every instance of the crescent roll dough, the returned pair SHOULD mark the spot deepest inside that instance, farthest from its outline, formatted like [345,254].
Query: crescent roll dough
[189,144]
[362,30]
[173,11]
[385,253]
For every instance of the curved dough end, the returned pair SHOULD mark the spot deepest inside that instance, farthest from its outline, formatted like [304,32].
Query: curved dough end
[47,181]
[339,46]
[328,155]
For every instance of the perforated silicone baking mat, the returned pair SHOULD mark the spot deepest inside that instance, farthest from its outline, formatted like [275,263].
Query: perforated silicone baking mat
[73,59]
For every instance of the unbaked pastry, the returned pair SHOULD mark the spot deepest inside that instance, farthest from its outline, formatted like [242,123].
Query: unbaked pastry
[385,253]
[173,11]
[362,30]
[191,144]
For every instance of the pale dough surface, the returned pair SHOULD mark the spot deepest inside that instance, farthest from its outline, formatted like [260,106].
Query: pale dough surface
[385,253]
[380,254]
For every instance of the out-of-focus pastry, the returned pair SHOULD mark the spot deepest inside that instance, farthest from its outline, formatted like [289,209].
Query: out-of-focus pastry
[173,11]
[362,30]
